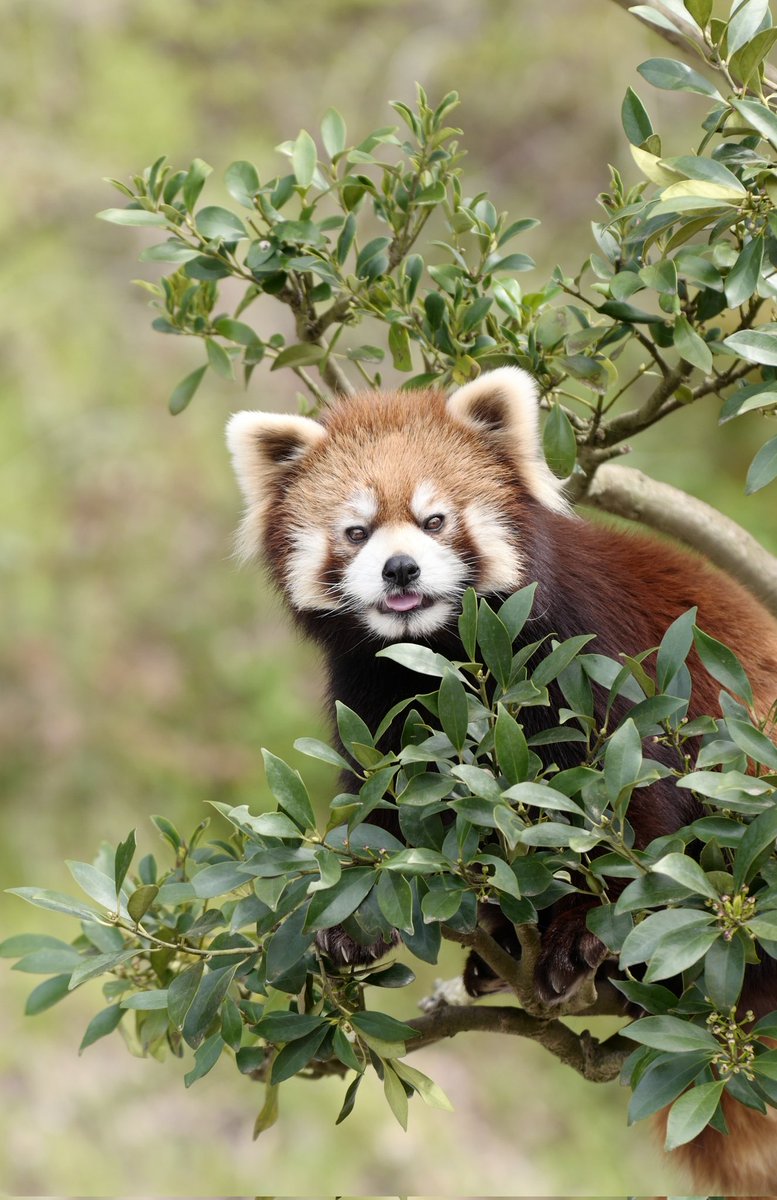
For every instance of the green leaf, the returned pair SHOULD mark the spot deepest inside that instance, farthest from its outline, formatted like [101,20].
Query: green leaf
[671,75]
[95,883]
[417,658]
[303,354]
[218,359]
[205,1059]
[641,943]
[288,944]
[333,132]
[303,159]
[559,443]
[690,346]
[214,222]
[206,1003]
[759,836]
[559,659]
[47,994]
[453,709]
[678,950]
[132,216]
[242,182]
[331,906]
[475,313]
[101,1025]
[622,759]
[288,789]
[724,971]
[318,749]
[514,613]
[635,120]
[287,1026]
[687,872]
[395,975]
[380,1025]
[192,185]
[541,796]
[22,944]
[125,852]
[184,391]
[50,960]
[742,279]
[700,10]
[675,648]
[511,749]
[665,1078]
[671,1034]
[755,345]
[395,1094]
[181,992]
[55,902]
[217,879]
[745,22]
[399,345]
[692,1112]
[350,1096]
[429,1091]
[755,744]
[395,900]
[141,900]
[153,1000]
[722,664]
[763,468]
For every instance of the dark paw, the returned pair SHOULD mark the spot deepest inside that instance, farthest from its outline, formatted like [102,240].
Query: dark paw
[344,951]
[569,954]
[479,978]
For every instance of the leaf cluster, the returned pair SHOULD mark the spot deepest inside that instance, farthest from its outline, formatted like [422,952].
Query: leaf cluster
[221,950]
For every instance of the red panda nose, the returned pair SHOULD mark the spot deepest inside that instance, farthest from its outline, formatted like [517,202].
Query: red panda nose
[401,570]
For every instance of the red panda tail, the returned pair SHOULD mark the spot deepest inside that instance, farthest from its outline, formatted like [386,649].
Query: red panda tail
[742,1163]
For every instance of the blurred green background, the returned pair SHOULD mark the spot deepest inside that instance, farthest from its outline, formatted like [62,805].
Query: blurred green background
[141,670]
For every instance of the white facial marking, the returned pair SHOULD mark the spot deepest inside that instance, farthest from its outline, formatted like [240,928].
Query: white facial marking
[304,568]
[426,502]
[442,579]
[361,509]
[502,565]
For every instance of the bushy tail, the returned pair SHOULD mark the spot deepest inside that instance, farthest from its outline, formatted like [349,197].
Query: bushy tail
[742,1163]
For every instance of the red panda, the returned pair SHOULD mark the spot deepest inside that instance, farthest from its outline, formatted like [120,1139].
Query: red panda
[374,520]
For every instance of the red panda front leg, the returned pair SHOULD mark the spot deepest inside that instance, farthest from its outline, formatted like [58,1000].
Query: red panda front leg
[569,953]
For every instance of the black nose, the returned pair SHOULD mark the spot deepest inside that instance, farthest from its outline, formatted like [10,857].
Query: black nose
[400,570]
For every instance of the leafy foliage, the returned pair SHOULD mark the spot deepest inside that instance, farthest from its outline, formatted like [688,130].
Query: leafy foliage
[218,951]
[675,293]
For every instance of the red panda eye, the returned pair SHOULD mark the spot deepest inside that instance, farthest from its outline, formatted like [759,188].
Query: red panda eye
[434,524]
[356,533]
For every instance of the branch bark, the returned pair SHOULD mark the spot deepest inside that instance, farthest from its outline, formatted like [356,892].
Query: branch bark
[628,493]
[594,1060]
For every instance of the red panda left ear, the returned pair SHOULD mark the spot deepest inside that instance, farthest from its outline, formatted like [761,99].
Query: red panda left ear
[504,405]
[264,446]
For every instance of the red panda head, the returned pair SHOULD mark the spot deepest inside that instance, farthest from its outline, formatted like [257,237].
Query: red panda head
[395,502]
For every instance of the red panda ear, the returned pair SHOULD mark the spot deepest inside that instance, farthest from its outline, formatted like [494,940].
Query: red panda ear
[504,405]
[264,445]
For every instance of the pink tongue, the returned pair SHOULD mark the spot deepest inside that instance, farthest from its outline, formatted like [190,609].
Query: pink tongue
[403,603]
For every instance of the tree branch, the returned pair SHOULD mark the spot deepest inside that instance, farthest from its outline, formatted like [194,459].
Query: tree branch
[691,35]
[594,1060]
[628,493]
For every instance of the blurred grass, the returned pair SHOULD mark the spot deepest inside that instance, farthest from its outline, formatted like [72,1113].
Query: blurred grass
[142,672]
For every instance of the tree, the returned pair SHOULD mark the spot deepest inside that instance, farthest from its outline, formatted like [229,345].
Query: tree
[337,241]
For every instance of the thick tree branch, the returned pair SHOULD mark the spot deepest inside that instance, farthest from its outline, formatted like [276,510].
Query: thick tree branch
[594,1060]
[628,493]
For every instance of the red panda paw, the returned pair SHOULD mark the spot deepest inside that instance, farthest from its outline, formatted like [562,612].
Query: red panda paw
[570,953]
[344,951]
